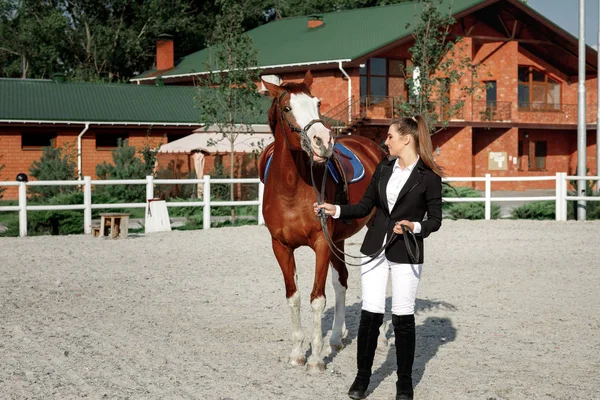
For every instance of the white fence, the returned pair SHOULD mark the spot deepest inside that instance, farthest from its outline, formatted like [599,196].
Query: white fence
[561,197]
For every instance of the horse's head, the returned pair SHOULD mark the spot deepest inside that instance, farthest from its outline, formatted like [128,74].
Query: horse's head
[298,111]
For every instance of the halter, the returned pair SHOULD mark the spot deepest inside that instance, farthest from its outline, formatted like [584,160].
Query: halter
[304,139]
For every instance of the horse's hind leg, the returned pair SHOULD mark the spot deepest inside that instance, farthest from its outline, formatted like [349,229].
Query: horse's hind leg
[285,258]
[339,278]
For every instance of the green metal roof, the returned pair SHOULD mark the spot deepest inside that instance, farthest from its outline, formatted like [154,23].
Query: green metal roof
[46,100]
[344,35]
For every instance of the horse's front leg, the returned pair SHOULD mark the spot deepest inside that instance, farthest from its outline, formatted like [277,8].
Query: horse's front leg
[285,258]
[317,303]
[339,278]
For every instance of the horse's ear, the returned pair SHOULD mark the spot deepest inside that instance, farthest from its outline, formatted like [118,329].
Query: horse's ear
[273,89]
[308,79]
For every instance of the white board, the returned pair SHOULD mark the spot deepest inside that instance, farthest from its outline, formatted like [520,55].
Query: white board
[157,216]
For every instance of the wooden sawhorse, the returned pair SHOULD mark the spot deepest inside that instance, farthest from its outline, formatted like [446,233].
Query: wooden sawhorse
[117,222]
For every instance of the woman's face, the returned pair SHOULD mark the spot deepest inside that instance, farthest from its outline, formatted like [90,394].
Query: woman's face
[396,142]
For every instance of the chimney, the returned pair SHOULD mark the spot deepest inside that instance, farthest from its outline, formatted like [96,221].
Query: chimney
[165,55]
[314,21]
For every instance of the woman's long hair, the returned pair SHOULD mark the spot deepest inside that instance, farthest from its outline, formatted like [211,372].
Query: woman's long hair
[417,128]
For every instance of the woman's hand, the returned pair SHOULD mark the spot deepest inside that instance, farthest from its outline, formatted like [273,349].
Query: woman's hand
[398,228]
[329,209]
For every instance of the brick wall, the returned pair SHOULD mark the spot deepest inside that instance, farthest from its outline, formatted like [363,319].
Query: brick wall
[455,146]
[16,159]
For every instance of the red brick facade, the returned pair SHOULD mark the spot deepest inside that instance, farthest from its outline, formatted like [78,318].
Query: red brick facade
[464,147]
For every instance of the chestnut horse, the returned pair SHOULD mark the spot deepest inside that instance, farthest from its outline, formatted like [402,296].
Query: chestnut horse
[288,207]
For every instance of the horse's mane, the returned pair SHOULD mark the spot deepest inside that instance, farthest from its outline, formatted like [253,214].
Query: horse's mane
[292,88]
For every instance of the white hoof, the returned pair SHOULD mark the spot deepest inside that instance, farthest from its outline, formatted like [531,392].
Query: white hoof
[298,361]
[316,367]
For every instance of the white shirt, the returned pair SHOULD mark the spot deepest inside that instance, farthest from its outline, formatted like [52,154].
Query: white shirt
[393,188]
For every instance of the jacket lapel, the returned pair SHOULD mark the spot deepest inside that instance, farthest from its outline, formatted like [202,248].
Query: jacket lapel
[416,176]
[386,174]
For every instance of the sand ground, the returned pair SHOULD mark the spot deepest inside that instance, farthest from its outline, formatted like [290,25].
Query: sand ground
[506,310]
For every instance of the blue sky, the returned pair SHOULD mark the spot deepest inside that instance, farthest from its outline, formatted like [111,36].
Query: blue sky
[565,13]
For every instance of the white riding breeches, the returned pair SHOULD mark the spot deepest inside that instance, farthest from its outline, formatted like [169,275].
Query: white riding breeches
[405,281]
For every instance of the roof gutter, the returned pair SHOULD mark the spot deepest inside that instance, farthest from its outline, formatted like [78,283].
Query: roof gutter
[252,68]
[87,126]
[349,91]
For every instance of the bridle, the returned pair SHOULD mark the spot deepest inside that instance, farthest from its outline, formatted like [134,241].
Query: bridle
[306,146]
[304,139]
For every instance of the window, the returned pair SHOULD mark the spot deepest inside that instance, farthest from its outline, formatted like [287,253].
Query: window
[171,137]
[490,93]
[37,141]
[537,91]
[109,141]
[537,155]
[396,68]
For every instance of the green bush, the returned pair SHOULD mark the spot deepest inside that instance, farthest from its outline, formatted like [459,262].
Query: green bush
[51,222]
[592,207]
[536,210]
[56,164]
[2,189]
[466,210]
[126,165]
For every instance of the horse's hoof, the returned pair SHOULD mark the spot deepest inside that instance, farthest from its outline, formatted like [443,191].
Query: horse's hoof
[315,367]
[298,361]
[336,346]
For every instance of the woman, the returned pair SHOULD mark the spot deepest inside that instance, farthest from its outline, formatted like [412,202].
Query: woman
[402,191]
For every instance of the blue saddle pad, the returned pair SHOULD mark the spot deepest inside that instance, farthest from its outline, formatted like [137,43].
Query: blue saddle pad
[357,166]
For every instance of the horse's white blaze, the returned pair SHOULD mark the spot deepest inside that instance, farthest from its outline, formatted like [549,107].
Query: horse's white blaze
[305,110]
[338,331]
[315,361]
[297,355]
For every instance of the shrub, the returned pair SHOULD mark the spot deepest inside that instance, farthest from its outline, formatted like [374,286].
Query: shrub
[56,164]
[2,189]
[466,210]
[536,210]
[52,222]
[126,165]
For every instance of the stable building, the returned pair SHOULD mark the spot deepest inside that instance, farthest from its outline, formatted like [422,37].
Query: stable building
[93,117]
[523,124]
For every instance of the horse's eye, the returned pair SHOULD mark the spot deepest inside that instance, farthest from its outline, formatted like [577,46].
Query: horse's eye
[319,104]
[287,109]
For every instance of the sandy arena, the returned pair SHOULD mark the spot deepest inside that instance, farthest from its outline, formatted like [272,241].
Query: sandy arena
[506,310]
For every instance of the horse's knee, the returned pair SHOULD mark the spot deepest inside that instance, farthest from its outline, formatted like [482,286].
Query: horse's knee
[318,304]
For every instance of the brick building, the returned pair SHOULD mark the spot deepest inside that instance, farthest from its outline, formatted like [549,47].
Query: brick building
[91,117]
[524,124]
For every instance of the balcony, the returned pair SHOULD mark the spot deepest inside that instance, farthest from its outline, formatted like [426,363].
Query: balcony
[382,109]
[556,114]
[492,111]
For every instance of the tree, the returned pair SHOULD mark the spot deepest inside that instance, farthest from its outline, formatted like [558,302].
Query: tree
[2,189]
[438,64]
[56,164]
[126,165]
[228,99]
[31,37]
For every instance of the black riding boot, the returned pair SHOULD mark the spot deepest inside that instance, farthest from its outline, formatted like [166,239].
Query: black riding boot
[368,332]
[404,331]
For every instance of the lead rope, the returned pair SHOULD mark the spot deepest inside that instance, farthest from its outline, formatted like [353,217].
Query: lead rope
[336,251]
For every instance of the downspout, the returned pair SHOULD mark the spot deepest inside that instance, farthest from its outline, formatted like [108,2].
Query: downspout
[349,92]
[87,126]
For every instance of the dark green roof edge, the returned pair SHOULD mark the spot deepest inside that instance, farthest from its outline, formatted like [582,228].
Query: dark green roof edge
[25,100]
[354,50]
